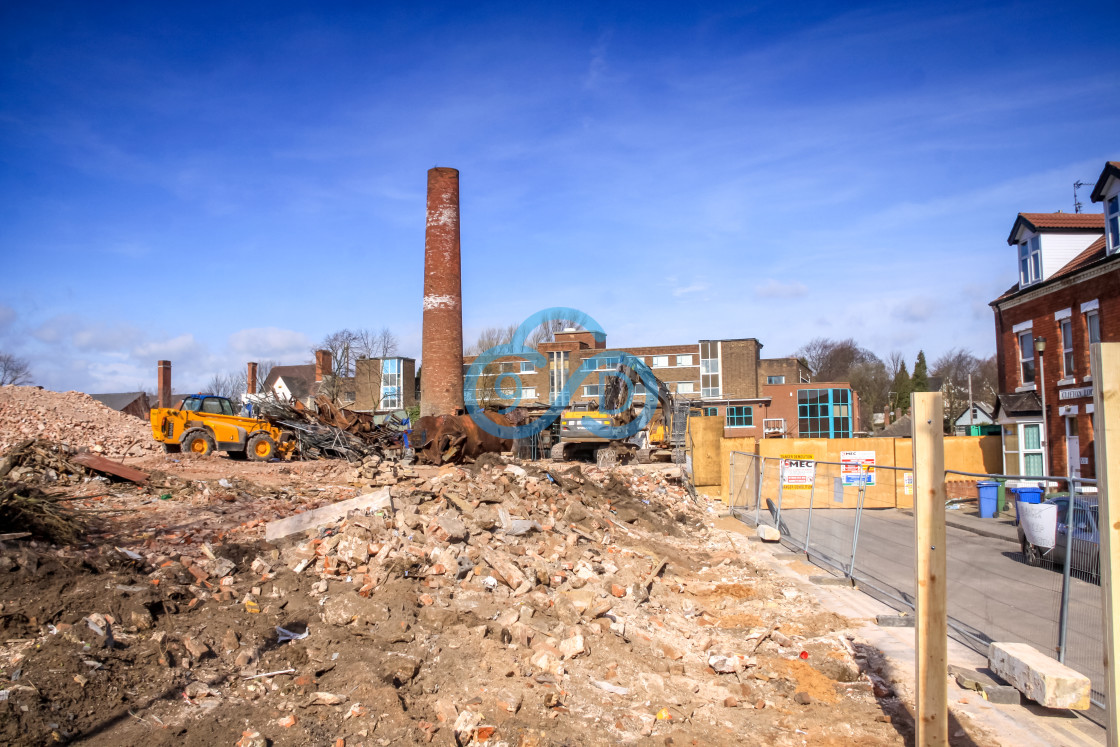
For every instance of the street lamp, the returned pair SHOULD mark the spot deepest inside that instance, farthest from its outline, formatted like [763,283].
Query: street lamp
[1040,346]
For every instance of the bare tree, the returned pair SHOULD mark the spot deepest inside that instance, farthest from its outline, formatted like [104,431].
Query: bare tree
[226,385]
[845,360]
[490,337]
[385,344]
[14,371]
[954,368]
[347,346]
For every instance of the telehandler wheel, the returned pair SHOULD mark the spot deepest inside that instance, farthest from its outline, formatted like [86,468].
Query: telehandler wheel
[261,447]
[197,441]
[171,448]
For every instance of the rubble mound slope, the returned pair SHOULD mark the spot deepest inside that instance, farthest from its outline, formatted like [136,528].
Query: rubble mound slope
[72,418]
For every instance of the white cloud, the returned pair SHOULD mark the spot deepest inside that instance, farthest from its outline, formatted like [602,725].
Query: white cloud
[774,289]
[183,346]
[56,329]
[693,288]
[917,309]
[106,337]
[270,343]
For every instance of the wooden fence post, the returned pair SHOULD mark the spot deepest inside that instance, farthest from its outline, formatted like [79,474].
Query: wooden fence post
[931,645]
[1105,359]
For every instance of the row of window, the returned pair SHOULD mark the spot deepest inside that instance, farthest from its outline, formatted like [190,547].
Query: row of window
[1065,334]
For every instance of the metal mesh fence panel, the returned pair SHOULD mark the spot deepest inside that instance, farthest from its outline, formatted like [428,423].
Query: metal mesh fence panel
[999,586]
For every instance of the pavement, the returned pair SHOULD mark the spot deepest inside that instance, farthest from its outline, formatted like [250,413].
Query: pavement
[967,517]
[1025,725]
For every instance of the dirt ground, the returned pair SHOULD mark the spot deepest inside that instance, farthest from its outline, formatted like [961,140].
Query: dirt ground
[501,603]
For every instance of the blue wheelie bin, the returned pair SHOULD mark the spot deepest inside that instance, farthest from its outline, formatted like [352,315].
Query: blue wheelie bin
[988,494]
[1025,495]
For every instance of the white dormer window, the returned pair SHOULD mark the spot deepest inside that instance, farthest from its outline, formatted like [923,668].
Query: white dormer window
[1030,262]
[1112,220]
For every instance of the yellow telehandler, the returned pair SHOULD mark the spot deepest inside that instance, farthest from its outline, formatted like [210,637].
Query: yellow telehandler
[205,423]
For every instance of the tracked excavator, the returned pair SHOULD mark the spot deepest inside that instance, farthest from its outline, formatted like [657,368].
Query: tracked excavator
[665,436]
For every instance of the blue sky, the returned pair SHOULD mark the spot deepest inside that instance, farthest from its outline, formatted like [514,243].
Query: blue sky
[222,183]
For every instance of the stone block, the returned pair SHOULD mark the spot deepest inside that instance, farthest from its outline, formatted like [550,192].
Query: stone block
[1039,677]
[1002,694]
[768,533]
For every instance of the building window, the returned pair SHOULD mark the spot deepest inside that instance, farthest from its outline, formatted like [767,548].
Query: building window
[684,360]
[390,384]
[348,396]
[1093,322]
[1032,449]
[709,369]
[528,392]
[660,361]
[1026,357]
[1030,262]
[775,379]
[685,387]
[740,417]
[607,364]
[527,367]
[710,412]
[824,413]
[592,390]
[1065,327]
[1112,218]
[557,376]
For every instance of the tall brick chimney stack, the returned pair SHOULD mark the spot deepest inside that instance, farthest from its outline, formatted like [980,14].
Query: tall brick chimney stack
[251,379]
[163,383]
[323,363]
[442,351]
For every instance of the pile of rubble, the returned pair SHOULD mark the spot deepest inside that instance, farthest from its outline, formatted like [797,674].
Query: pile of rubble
[71,418]
[493,604]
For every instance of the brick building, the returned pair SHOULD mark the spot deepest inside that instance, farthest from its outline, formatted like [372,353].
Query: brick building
[727,379]
[378,384]
[383,384]
[1067,297]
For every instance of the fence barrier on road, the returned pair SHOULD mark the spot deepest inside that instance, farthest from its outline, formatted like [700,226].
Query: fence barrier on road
[1000,587]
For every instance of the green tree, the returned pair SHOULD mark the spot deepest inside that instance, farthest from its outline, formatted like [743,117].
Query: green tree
[919,382]
[901,387]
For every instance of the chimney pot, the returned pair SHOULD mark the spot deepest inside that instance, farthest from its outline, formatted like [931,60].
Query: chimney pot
[251,379]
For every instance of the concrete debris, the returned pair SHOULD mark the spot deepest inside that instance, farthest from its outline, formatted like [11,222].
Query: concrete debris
[497,602]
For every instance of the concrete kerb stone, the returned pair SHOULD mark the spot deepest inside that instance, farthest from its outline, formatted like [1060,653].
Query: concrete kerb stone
[994,691]
[832,581]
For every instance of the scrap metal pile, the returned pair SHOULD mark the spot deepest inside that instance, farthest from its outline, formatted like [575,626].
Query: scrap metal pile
[332,432]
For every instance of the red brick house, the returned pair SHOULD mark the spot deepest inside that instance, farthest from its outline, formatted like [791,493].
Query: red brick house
[1067,297]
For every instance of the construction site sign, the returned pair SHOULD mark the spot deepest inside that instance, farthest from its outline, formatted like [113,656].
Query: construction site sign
[857,468]
[797,471]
